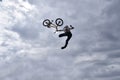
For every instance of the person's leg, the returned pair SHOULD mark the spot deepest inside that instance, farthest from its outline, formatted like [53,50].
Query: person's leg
[63,34]
[67,40]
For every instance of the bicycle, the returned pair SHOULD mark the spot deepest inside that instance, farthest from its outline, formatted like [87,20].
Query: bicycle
[49,23]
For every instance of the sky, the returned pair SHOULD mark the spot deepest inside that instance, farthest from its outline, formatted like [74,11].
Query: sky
[30,51]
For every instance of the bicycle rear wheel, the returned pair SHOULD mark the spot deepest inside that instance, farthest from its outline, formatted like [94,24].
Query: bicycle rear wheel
[46,22]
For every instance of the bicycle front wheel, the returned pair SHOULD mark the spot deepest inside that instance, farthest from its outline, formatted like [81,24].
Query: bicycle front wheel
[59,22]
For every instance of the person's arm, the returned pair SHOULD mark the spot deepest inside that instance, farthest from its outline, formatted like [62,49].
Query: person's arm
[59,30]
[71,27]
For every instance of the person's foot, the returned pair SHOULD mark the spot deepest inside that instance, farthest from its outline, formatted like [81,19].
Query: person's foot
[59,36]
[63,47]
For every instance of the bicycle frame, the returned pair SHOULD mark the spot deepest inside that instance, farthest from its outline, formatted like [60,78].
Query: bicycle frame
[54,26]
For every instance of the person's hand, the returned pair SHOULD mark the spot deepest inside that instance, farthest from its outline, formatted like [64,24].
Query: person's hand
[71,27]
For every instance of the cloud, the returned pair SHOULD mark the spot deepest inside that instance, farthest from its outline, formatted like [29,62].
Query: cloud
[29,51]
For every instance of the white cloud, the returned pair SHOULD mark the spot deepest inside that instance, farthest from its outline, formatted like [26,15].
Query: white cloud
[29,51]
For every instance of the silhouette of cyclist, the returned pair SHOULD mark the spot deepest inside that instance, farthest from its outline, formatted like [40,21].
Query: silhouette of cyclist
[67,33]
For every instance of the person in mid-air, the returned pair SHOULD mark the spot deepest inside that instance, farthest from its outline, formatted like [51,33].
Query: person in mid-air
[67,33]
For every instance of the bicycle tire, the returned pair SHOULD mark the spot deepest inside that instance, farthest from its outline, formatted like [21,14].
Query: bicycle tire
[46,22]
[59,22]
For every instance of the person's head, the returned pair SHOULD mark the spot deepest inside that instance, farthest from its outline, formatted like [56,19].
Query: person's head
[66,26]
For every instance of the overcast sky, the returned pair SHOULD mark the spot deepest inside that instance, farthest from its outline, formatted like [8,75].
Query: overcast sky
[29,51]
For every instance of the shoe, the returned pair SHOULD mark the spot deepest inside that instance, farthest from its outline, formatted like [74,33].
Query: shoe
[63,47]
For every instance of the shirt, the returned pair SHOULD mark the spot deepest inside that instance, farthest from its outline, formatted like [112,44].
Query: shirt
[66,29]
